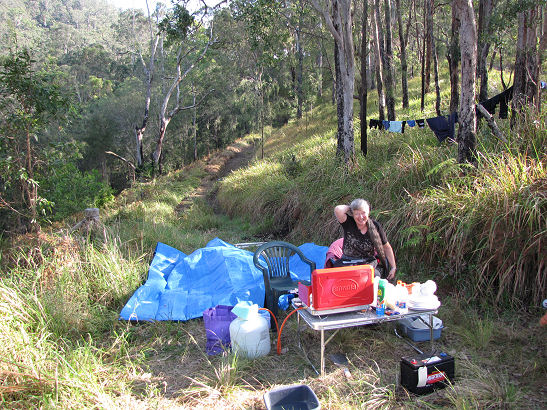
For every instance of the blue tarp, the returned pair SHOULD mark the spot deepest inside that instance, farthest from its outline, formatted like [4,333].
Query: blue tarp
[181,287]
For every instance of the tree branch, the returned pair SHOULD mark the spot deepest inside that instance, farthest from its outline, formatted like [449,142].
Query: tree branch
[491,123]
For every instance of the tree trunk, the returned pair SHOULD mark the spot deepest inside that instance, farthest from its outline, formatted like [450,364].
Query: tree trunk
[339,100]
[485,11]
[339,20]
[149,71]
[436,72]
[422,101]
[379,66]
[299,69]
[541,51]
[428,10]
[30,188]
[194,125]
[453,57]
[467,118]
[363,93]
[320,66]
[388,64]
[166,116]
[402,41]
[525,91]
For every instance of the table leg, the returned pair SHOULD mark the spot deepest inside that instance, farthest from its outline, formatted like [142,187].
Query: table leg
[431,331]
[322,352]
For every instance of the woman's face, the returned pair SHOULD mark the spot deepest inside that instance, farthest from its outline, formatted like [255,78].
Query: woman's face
[360,217]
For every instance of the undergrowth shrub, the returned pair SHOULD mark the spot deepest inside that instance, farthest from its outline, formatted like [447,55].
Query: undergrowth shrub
[68,190]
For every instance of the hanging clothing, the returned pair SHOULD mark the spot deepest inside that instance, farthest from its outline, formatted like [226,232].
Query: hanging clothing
[375,124]
[505,97]
[421,123]
[443,127]
[386,124]
[502,99]
[397,126]
[411,123]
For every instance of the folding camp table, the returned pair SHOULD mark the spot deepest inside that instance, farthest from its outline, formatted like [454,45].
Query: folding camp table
[339,321]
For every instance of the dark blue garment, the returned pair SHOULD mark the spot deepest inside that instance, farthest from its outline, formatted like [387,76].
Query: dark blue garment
[502,99]
[386,124]
[442,126]
[505,97]
[411,123]
[375,124]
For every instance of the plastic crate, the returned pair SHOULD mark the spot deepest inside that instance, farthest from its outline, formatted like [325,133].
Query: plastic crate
[419,334]
[299,397]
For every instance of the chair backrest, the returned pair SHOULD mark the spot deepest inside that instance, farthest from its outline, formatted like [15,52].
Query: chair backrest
[272,258]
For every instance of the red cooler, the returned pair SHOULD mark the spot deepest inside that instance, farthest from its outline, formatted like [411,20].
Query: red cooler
[336,290]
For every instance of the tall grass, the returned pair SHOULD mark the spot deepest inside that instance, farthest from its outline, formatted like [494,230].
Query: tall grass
[49,318]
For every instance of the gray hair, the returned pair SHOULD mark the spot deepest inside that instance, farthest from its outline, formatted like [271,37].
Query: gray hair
[361,205]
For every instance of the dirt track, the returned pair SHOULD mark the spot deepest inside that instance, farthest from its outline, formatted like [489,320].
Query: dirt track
[218,165]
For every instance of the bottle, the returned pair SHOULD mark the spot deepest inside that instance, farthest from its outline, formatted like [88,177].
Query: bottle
[402,297]
[390,297]
[375,291]
[380,302]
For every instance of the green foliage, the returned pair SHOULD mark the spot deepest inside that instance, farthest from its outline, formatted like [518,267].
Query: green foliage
[29,100]
[70,190]
[176,24]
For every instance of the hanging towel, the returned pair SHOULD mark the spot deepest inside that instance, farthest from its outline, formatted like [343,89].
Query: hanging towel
[411,123]
[421,123]
[396,126]
[442,126]
[386,124]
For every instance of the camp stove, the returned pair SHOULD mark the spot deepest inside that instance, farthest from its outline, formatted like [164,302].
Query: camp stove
[338,290]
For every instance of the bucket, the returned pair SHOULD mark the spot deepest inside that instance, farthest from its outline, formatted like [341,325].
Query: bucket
[291,397]
[250,335]
[217,328]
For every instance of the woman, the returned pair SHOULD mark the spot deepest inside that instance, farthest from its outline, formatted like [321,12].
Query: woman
[363,236]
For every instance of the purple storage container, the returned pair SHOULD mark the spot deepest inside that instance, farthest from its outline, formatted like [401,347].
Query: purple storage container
[217,328]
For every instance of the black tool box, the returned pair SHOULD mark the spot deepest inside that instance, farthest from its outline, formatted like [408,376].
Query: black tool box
[423,373]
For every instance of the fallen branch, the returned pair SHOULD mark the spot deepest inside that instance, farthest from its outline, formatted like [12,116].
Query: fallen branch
[491,123]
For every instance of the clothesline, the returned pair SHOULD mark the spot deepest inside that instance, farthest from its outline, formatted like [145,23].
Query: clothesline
[443,126]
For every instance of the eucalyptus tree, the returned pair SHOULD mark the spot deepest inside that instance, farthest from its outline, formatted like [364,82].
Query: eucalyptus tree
[378,40]
[453,57]
[466,117]
[403,41]
[388,63]
[528,57]
[363,92]
[188,41]
[149,70]
[338,17]
[484,34]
